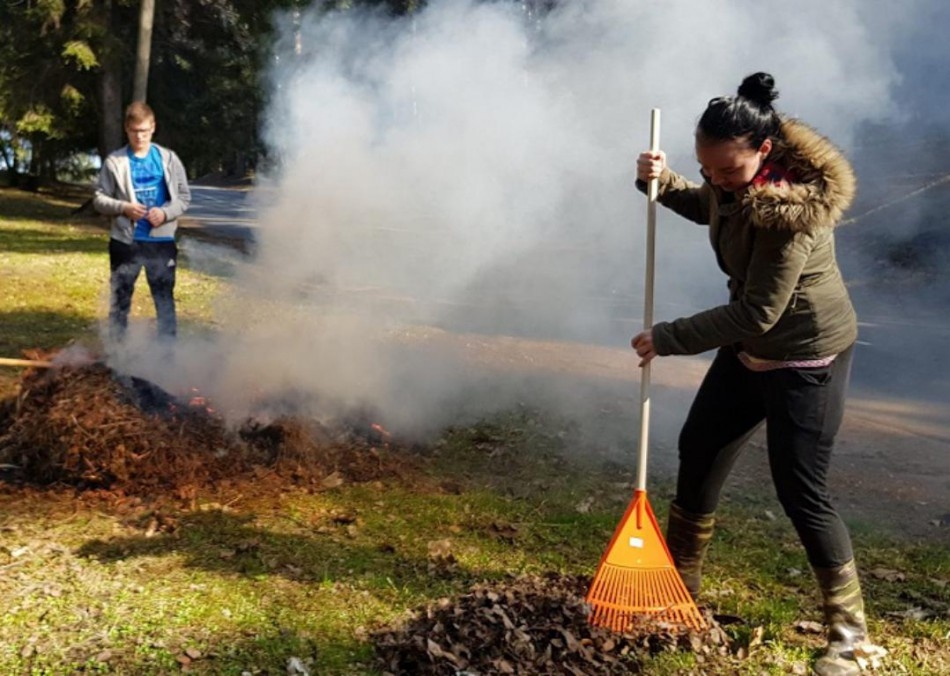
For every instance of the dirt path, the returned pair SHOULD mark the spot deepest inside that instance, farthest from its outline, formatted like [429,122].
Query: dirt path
[892,468]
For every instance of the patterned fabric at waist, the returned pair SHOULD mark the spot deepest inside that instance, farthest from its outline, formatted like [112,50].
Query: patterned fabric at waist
[758,364]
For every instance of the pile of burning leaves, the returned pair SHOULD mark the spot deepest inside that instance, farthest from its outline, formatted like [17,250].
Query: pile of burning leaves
[531,625]
[91,427]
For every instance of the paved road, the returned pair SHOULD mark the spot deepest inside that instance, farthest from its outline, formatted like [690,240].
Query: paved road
[902,347]
[227,213]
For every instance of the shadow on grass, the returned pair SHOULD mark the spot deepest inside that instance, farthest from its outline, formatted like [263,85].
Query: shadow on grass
[42,329]
[264,650]
[47,205]
[227,543]
[274,651]
[39,241]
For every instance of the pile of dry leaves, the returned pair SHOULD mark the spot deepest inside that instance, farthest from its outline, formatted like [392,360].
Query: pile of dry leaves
[530,625]
[92,427]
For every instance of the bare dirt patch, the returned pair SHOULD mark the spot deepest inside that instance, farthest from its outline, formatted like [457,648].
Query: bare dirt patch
[891,468]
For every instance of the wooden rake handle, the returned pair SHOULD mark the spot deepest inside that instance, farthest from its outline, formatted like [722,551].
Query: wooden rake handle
[653,188]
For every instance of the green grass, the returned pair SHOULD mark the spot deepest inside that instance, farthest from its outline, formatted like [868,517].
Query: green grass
[257,574]
[56,278]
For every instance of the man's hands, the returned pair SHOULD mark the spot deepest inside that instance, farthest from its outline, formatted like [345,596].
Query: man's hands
[136,212]
[643,344]
[156,216]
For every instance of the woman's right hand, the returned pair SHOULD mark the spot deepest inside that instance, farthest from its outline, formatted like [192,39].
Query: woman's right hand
[650,165]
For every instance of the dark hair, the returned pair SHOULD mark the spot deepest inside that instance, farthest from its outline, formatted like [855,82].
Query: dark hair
[749,115]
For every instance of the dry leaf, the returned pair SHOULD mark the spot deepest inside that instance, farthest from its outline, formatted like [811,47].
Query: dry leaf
[152,527]
[869,656]
[504,531]
[756,638]
[332,481]
[912,613]
[504,666]
[295,667]
[433,648]
[810,627]
[439,548]
[888,575]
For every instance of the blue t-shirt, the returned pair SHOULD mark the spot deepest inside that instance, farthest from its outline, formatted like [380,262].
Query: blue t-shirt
[148,180]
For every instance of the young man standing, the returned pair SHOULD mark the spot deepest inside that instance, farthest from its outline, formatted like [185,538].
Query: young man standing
[144,188]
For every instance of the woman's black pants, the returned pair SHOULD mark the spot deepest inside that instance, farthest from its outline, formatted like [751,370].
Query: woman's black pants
[802,409]
[160,260]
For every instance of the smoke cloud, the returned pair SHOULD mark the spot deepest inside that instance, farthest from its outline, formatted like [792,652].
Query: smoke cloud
[468,172]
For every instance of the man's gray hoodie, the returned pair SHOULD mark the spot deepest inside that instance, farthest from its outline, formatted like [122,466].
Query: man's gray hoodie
[114,190]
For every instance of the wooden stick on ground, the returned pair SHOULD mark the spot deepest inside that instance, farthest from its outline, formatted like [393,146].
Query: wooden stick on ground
[34,363]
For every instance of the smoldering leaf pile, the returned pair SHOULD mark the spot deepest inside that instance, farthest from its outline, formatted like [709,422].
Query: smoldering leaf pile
[91,427]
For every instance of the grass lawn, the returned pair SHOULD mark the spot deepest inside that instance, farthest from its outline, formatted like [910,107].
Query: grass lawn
[256,573]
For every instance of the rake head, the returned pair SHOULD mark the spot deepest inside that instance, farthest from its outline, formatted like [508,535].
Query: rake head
[636,579]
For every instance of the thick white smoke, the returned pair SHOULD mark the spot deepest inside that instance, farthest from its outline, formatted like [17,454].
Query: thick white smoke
[470,169]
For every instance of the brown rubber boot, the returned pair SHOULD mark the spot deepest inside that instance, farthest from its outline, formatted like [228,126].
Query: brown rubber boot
[687,537]
[844,618]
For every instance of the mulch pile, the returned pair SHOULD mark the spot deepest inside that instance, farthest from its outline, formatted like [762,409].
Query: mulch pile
[531,625]
[94,428]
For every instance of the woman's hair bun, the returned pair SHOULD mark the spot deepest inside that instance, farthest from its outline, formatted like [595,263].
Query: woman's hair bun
[760,89]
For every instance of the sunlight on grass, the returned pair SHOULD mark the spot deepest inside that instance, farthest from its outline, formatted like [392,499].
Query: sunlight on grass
[56,279]
[242,581]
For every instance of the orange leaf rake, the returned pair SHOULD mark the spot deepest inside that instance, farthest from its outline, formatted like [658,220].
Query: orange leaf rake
[636,580]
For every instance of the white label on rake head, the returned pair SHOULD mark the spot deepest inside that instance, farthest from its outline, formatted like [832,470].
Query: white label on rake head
[636,542]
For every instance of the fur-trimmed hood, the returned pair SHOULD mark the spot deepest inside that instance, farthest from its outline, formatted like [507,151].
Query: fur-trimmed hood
[823,188]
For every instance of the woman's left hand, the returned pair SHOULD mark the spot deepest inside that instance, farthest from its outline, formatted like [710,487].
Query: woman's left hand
[643,344]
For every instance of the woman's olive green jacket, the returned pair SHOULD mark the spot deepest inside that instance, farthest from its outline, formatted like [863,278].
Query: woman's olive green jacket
[787,300]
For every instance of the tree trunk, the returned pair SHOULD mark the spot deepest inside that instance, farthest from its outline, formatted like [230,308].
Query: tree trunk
[36,154]
[144,52]
[48,168]
[31,181]
[6,150]
[110,90]
[9,159]
[110,103]
[16,175]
